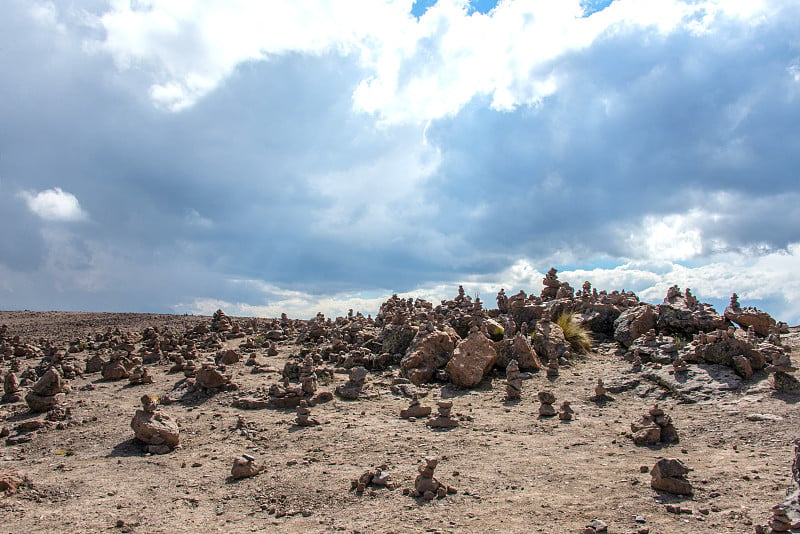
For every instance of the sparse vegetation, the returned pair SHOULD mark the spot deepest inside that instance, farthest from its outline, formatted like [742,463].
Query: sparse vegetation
[577,335]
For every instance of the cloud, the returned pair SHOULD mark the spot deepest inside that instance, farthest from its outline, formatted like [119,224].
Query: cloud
[54,205]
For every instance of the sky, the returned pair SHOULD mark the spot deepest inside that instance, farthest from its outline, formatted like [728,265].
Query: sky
[293,156]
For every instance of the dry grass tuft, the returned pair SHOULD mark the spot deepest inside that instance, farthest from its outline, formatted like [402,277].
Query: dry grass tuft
[577,335]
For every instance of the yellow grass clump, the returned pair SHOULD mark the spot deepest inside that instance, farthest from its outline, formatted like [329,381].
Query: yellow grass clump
[577,335]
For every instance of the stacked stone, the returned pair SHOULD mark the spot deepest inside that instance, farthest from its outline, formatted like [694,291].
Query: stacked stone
[304,415]
[780,521]
[351,389]
[46,393]
[11,389]
[552,368]
[415,410]
[600,391]
[513,381]
[669,474]
[679,365]
[546,398]
[566,413]
[443,420]
[157,430]
[551,285]
[118,367]
[780,369]
[308,376]
[653,428]
[139,376]
[426,486]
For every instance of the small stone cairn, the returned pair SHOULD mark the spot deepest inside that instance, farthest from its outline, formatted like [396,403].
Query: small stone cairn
[566,413]
[513,381]
[157,430]
[552,368]
[415,410]
[780,369]
[654,428]
[443,420]
[12,391]
[426,486]
[547,399]
[669,474]
[210,376]
[351,390]
[304,415]
[46,393]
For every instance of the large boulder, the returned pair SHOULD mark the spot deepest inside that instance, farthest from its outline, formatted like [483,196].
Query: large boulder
[472,359]
[517,348]
[669,474]
[49,384]
[761,321]
[634,322]
[428,352]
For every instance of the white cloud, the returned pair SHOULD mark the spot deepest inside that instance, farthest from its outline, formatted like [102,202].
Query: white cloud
[54,205]
[415,69]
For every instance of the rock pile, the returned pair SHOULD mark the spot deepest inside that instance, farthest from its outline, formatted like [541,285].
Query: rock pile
[46,393]
[780,369]
[566,413]
[211,376]
[654,428]
[426,486]
[547,399]
[12,391]
[443,420]
[304,415]
[513,381]
[157,430]
[415,410]
[351,390]
[669,474]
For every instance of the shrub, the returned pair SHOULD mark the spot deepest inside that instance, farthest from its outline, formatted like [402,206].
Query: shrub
[577,335]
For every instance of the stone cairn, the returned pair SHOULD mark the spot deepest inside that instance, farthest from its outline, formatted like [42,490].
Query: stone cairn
[46,393]
[566,413]
[547,399]
[679,365]
[654,428]
[443,420]
[351,389]
[415,410]
[426,486]
[780,522]
[139,376]
[308,376]
[513,381]
[157,430]
[552,368]
[780,369]
[304,415]
[210,376]
[12,391]
[600,391]
[669,474]
[244,467]
[375,477]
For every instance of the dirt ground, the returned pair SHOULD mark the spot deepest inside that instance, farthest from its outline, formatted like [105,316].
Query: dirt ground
[514,471]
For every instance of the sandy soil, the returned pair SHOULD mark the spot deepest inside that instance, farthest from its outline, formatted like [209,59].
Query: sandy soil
[514,471]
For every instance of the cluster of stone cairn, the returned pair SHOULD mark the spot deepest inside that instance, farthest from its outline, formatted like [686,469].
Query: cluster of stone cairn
[654,428]
[426,486]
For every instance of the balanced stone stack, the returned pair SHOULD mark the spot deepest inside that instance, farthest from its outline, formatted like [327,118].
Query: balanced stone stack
[157,430]
[513,381]
[443,420]
[11,389]
[426,485]
[351,389]
[566,413]
[308,376]
[654,428]
[304,415]
[46,393]
[210,376]
[781,368]
[415,410]
[546,409]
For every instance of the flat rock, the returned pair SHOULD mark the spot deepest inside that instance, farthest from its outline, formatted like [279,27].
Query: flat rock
[700,383]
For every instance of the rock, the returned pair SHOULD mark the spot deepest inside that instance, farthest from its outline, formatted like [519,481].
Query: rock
[429,351]
[634,322]
[566,413]
[426,486]
[761,322]
[244,467]
[681,314]
[10,482]
[95,364]
[700,383]
[250,403]
[513,381]
[669,474]
[351,389]
[49,384]
[548,340]
[416,410]
[472,359]
[210,377]
[443,420]
[43,403]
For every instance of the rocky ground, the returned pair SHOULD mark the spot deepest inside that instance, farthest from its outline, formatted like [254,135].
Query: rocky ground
[512,470]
